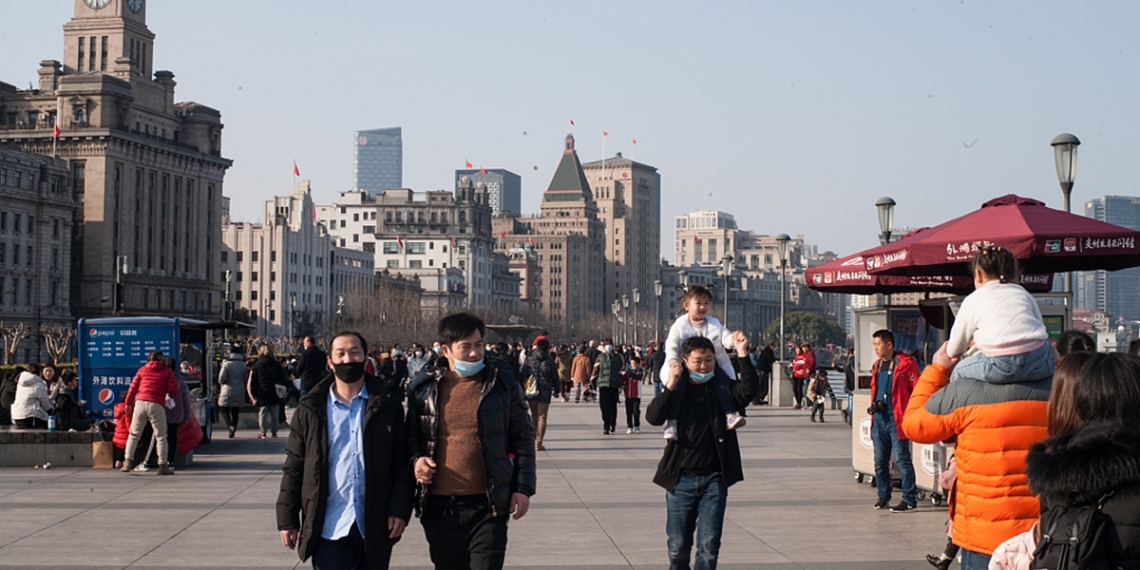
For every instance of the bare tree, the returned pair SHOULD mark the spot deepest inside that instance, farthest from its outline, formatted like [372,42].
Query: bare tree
[13,336]
[57,340]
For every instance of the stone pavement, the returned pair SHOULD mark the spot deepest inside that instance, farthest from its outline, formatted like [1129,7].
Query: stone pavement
[799,507]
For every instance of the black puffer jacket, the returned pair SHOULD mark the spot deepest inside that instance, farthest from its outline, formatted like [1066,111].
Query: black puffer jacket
[267,373]
[388,484]
[1099,458]
[540,364]
[505,433]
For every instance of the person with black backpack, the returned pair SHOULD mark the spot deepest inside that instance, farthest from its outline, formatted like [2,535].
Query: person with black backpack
[1088,481]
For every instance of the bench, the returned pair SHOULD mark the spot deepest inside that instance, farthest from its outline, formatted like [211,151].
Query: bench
[31,447]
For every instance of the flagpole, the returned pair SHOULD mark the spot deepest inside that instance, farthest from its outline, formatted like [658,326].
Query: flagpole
[603,156]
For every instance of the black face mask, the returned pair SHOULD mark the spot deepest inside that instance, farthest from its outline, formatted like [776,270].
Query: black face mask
[350,372]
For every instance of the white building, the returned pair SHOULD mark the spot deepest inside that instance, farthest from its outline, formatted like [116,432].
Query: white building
[287,271]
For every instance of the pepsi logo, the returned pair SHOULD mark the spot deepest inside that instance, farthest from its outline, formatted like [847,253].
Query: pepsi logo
[106,396]
[93,332]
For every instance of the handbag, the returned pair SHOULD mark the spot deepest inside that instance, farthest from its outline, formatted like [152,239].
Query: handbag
[281,391]
[530,387]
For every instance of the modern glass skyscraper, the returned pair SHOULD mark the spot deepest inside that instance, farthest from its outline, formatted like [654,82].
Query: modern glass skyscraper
[504,188]
[1114,292]
[378,162]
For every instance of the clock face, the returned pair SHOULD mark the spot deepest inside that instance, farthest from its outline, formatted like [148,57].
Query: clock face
[134,5]
[96,4]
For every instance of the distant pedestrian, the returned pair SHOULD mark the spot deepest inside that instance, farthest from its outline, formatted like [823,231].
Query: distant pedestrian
[266,375]
[764,361]
[231,388]
[178,410]
[541,366]
[607,377]
[818,390]
[631,389]
[580,372]
[654,365]
[417,360]
[32,405]
[565,359]
[146,402]
[311,365]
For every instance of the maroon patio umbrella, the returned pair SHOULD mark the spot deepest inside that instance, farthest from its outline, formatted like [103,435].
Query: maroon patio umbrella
[849,275]
[1044,240]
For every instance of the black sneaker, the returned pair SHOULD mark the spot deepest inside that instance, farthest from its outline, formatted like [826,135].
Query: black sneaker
[882,504]
[903,507]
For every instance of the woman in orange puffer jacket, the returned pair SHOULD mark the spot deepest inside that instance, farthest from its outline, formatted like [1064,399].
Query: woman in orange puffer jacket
[995,425]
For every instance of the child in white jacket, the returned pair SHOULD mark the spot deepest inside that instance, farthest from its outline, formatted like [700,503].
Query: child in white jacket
[695,321]
[1004,322]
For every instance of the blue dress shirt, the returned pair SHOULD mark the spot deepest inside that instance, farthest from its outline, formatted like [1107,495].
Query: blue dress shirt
[345,504]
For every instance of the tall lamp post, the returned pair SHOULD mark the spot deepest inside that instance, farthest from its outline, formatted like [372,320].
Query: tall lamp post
[726,269]
[782,250]
[683,277]
[636,301]
[657,321]
[886,208]
[1065,154]
[625,319]
[616,307]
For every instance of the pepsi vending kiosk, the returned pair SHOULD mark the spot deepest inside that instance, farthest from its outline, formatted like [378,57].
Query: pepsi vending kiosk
[112,350]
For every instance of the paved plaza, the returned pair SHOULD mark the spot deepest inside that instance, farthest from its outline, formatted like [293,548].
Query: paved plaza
[798,507]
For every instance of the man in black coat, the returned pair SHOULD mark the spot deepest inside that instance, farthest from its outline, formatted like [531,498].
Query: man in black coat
[698,467]
[472,450]
[311,366]
[350,516]
[764,362]
[655,363]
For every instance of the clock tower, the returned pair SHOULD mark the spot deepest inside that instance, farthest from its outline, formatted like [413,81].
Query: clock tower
[109,36]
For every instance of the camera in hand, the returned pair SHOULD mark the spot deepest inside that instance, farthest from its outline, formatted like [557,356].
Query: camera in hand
[878,407]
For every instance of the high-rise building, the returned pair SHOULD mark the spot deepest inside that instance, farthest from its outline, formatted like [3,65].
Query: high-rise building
[288,272]
[378,162]
[147,170]
[504,188]
[628,197]
[1114,292]
[568,239]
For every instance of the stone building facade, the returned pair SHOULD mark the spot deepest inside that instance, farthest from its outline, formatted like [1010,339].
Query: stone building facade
[37,221]
[568,239]
[147,170]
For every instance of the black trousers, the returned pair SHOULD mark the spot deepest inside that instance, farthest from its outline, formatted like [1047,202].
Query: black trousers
[462,534]
[762,395]
[349,553]
[798,390]
[31,423]
[633,412]
[607,401]
[231,415]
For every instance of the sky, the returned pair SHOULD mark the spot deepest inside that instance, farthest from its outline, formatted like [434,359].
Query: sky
[793,116]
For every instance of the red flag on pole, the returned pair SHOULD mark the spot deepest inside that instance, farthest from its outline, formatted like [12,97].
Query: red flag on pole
[452,242]
[531,240]
[571,122]
[469,165]
[399,242]
[502,235]
[296,171]
[482,170]
[634,141]
[605,133]
[696,239]
[55,132]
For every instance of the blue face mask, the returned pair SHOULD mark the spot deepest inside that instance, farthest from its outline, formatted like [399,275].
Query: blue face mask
[397,352]
[467,369]
[608,348]
[702,378]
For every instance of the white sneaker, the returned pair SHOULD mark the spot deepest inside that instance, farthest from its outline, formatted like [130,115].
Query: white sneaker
[636,430]
[671,430]
[141,467]
[628,431]
[734,420]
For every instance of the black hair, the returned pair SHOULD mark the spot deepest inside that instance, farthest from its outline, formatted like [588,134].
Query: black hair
[1134,347]
[690,291]
[607,340]
[67,376]
[501,348]
[155,356]
[35,368]
[456,327]
[884,335]
[360,337]
[1108,388]
[542,344]
[636,359]
[696,343]
[997,262]
[1075,341]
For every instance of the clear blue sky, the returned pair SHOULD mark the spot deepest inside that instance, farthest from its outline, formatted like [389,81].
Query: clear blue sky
[793,116]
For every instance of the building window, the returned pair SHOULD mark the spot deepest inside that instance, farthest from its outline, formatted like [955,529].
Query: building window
[253,295]
[272,276]
[355,238]
[416,247]
[416,264]
[239,256]
[253,256]
[253,276]
[391,247]
[273,257]
[393,263]
[225,257]
[370,229]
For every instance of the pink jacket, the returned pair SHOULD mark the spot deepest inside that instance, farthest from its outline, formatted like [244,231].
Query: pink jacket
[1015,553]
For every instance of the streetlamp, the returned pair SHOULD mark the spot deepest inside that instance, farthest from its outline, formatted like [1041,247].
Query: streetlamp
[683,277]
[616,307]
[625,319]
[121,268]
[636,301]
[886,208]
[1065,154]
[726,269]
[782,250]
[657,323]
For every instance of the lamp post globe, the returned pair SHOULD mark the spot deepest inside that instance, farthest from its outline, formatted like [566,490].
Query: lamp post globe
[1065,155]
[886,207]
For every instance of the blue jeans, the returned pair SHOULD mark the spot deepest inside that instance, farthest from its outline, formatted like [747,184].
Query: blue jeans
[1026,367]
[884,434]
[696,503]
[974,560]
